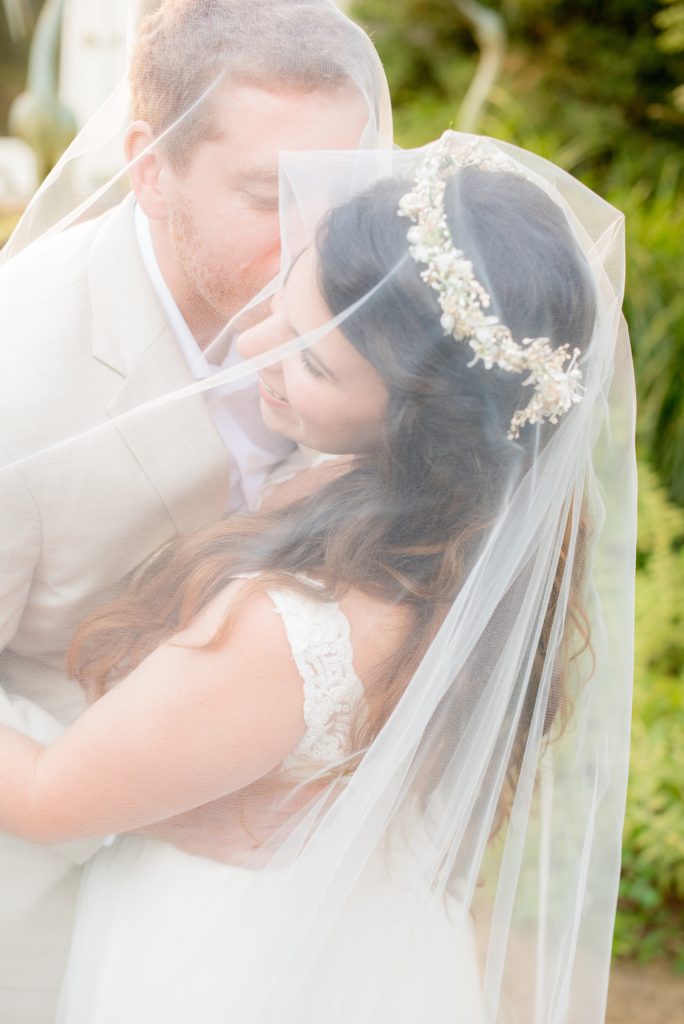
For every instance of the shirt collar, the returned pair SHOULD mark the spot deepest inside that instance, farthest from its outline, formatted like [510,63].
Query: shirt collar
[197,363]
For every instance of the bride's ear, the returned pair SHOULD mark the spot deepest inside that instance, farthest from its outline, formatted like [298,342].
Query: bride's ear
[144,167]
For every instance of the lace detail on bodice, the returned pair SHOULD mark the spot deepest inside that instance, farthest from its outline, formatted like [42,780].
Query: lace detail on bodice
[318,633]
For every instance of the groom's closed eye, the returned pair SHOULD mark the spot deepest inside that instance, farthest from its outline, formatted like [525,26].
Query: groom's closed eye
[260,186]
[261,201]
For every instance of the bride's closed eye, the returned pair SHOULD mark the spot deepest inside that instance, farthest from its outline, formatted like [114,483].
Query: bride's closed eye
[310,366]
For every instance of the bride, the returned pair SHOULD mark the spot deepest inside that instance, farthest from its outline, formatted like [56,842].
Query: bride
[395,683]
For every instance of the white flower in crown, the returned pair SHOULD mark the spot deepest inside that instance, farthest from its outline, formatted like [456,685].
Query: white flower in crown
[462,298]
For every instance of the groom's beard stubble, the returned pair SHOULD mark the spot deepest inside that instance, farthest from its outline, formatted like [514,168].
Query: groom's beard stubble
[218,286]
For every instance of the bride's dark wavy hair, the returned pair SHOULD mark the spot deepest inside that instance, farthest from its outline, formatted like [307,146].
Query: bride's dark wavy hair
[407,520]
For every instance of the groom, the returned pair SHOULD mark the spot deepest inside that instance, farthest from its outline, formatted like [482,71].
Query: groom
[115,312]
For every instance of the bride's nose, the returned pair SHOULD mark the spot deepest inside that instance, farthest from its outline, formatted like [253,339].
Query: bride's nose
[260,338]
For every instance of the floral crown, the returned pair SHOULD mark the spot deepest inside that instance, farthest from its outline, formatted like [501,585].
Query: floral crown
[464,301]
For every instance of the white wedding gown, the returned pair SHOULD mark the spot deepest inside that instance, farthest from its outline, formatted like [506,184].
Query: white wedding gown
[164,937]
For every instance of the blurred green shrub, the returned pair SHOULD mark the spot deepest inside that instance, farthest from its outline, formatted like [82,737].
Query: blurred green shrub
[651,907]
[654,307]
[671,23]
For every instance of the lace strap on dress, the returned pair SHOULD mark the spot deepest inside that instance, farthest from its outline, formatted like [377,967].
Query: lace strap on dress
[319,636]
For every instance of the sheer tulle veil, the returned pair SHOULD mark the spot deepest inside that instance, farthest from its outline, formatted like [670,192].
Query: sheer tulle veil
[496,787]
[470,832]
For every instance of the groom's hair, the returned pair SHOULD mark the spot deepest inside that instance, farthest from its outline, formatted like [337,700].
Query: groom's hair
[187,46]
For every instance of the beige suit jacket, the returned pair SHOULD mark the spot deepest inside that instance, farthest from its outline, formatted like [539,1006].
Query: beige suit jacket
[87,491]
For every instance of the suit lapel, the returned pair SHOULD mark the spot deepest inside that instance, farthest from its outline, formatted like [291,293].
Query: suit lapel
[176,445]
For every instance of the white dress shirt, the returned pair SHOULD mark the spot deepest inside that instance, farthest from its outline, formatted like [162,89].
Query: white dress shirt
[253,449]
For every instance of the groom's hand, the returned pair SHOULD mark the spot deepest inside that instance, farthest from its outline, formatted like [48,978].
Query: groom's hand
[303,483]
[237,830]
[213,831]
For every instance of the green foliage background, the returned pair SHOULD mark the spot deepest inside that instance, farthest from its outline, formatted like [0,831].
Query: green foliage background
[651,909]
[598,88]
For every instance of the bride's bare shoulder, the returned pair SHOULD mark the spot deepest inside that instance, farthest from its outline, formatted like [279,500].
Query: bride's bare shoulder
[378,628]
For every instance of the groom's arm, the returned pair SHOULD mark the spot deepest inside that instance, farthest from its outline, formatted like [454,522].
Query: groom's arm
[20,547]
[20,544]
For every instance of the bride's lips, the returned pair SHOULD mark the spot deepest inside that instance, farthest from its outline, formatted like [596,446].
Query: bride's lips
[270,396]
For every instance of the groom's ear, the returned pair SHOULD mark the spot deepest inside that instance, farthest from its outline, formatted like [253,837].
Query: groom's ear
[144,167]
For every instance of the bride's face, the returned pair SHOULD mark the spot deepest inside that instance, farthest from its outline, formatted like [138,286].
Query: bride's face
[326,397]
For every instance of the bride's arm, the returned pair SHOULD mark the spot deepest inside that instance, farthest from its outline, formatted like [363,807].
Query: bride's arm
[184,728]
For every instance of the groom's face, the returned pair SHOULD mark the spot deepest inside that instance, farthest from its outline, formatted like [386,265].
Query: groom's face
[219,243]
